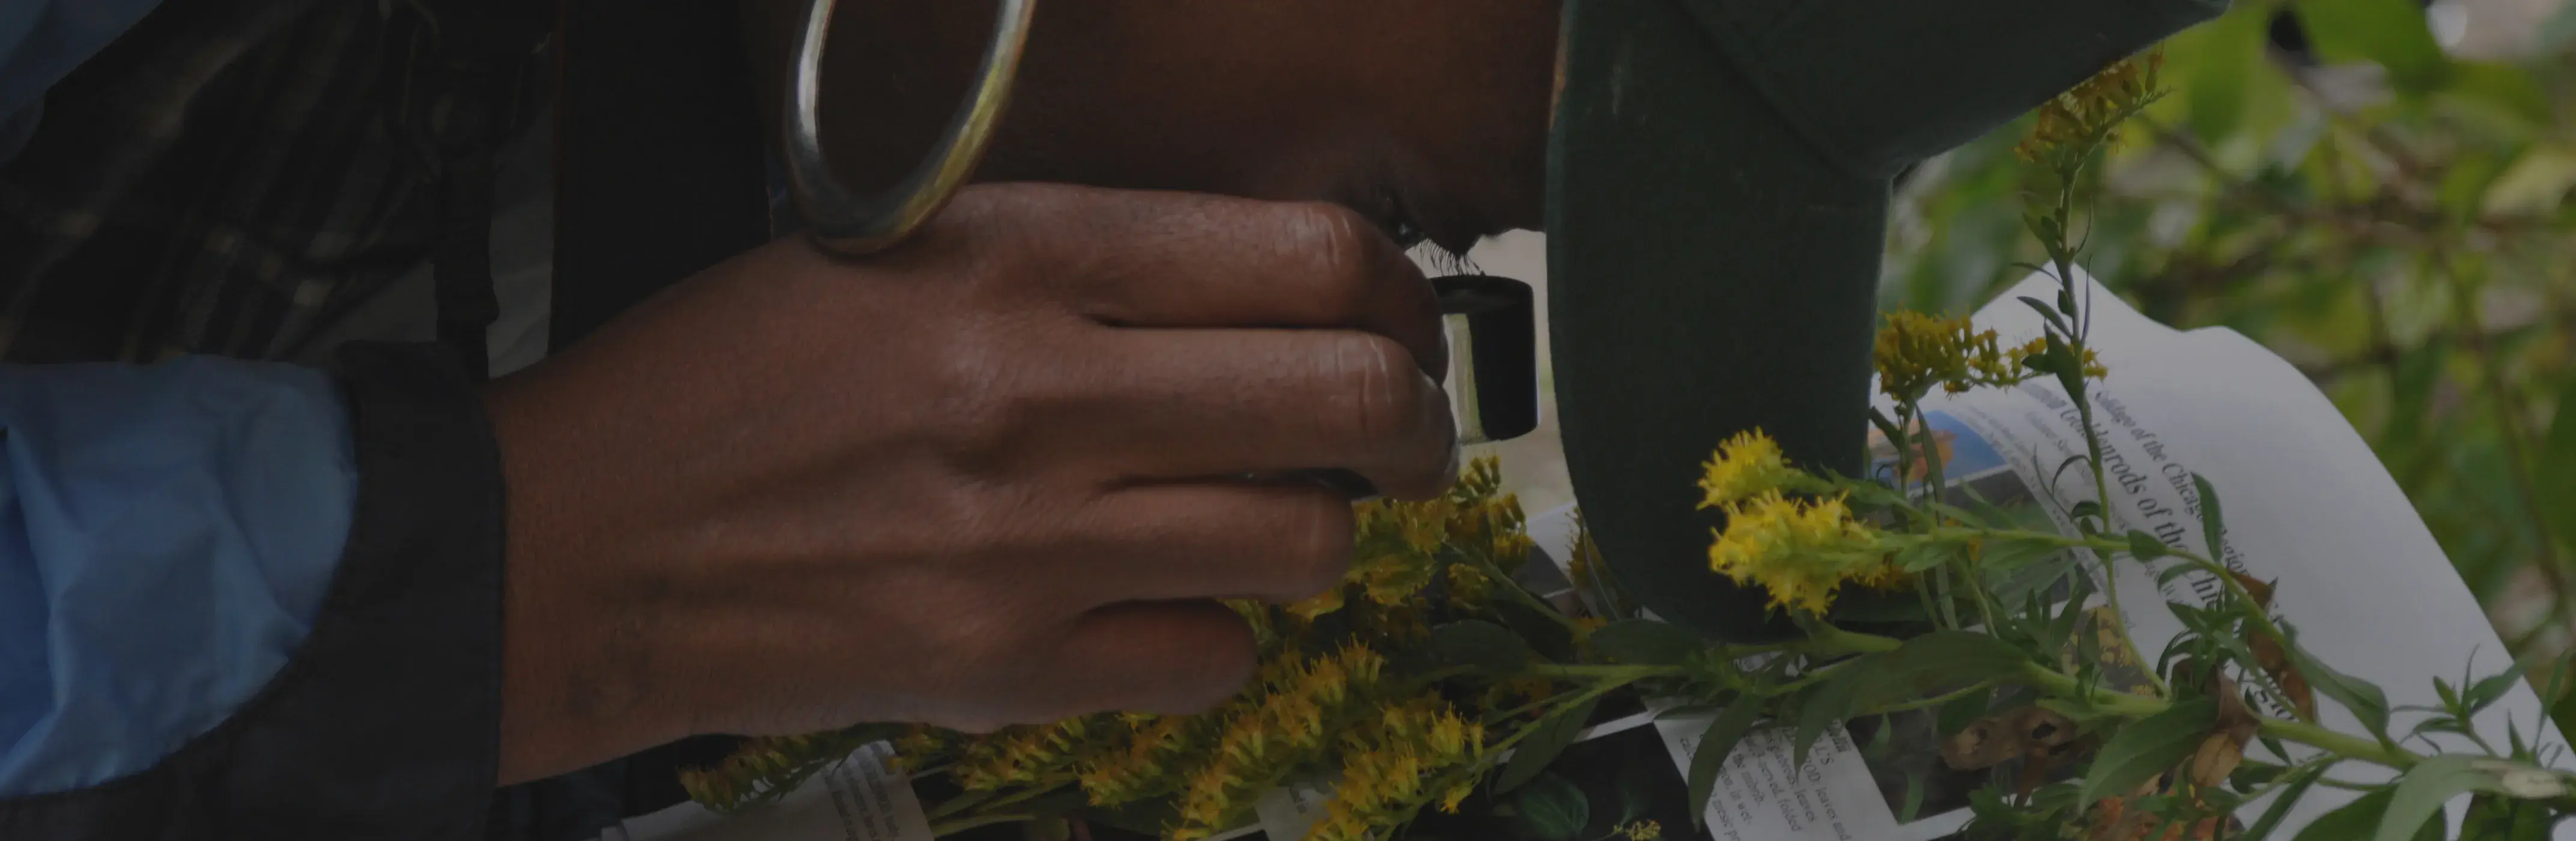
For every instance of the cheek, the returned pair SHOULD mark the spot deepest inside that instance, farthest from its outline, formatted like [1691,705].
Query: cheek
[1229,97]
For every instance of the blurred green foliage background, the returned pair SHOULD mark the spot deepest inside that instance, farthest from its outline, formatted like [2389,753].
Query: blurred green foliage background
[2390,215]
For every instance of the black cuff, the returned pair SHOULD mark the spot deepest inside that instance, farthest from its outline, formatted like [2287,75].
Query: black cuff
[386,722]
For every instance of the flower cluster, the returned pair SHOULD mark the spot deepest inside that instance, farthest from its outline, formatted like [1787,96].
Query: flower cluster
[1300,702]
[1801,551]
[1916,352]
[2090,113]
[1144,762]
[1030,754]
[1746,466]
[1397,765]
[1402,548]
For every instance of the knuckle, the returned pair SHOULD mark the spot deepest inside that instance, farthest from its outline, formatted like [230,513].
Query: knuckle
[1346,249]
[1314,536]
[1377,388]
[1005,236]
[979,409]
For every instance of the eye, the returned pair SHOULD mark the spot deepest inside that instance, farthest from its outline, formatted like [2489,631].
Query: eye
[1406,234]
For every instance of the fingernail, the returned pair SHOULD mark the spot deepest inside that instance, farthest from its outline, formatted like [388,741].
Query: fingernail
[1445,415]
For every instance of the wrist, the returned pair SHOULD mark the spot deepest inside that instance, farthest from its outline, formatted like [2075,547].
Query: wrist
[578,664]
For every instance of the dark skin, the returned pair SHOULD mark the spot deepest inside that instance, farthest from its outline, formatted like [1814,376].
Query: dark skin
[993,476]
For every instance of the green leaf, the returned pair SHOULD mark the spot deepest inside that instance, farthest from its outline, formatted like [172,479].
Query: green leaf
[2508,89]
[2351,822]
[1547,739]
[2217,62]
[1637,782]
[2495,818]
[1957,715]
[2419,794]
[1923,556]
[1646,642]
[2045,312]
[1964,516]
[2288,797]
[2534,184]
[2556,473]
[2005,554]
[1934,662]
[1723,732]
[2251,774]
[1481,644]
[2213,527]
[1554,809]
[2148,747]
[2146,547]
[2392,33]
[1831,700]
[2486,692]
[2360,696]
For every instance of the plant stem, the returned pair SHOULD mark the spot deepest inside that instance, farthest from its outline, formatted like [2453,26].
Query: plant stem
[1834,640]
[1925,703]
[1521,594]
[2351,747]
[1622,673]
[2134,707]
[1493,752]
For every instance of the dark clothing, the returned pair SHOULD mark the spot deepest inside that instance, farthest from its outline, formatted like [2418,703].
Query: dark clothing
[238,177]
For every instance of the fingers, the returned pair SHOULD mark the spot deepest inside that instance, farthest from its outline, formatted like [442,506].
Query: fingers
[1278,542]
[1223,403]
[1152,260]
[1174,658]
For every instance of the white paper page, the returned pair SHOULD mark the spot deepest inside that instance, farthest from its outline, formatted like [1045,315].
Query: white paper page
[861,799]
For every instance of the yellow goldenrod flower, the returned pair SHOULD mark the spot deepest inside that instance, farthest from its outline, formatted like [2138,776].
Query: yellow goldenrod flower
[1322,603]
[1468,587]
[1802,552]
[1746,465]
[1457,794]
[1915,352]
[2090,112]
[1392,770]
[1644,831]
[2093,368]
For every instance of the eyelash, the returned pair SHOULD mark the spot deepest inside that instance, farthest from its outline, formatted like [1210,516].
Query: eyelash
[1407,235]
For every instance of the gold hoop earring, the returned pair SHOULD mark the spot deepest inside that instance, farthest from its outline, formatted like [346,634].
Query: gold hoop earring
[856,225]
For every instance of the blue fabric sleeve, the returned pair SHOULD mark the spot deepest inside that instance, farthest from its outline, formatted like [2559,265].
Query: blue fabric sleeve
[40,42]
[167,533]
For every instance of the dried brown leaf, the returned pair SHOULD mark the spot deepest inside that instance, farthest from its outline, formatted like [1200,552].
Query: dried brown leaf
[2276,662]
[2261,590]
[2217,757]
[1982,744]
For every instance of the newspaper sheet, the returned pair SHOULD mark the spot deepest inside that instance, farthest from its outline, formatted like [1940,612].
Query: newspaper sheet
[2307,506]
